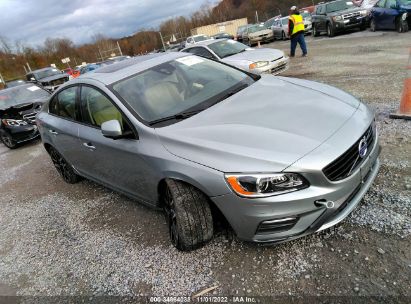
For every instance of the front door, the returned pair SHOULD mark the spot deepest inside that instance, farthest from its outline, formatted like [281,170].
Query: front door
[115,163]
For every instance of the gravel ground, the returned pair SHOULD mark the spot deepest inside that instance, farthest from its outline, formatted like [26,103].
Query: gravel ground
[84,240]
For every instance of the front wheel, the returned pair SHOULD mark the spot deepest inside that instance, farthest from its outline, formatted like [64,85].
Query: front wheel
[330,30]
[7,140]
[316,33]
[63,167]
[188,215]
[402,25]
[373,25]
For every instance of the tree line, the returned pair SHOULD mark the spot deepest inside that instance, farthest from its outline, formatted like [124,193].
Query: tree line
[17,56]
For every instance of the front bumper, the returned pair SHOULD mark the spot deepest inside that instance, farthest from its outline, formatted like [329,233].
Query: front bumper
[247,215]
[24,133]
[275,67]
[348,24]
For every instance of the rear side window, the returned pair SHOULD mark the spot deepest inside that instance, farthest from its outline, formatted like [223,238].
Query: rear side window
[381,3]
[391,3]
[200,51]
[64,103]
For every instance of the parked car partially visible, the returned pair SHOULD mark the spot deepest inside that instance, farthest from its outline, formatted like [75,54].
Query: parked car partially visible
[308,26]
[338,17]
[270,22]
[196,39]
[257,61]
[240,30]
[257,33]
[91,67]
[18,108]
[223,36]
[280,28]
[14,83]
[49,78]
[391,15]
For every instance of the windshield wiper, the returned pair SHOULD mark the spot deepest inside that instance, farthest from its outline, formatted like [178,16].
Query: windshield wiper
[232,92]
[179,116]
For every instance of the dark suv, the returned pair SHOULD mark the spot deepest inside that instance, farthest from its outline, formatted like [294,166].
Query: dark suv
[49,78]
[337,16]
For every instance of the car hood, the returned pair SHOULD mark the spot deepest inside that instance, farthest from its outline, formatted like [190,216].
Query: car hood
[265,127]
[254,55]
[349,10]
[17,110]
[262,32]
[54,77]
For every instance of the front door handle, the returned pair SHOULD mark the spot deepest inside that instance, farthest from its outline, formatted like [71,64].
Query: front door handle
[89,146]
[53,132]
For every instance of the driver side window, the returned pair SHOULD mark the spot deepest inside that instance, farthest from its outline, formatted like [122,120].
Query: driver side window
[97,108]
[381,3]
[391,3]
[202,52]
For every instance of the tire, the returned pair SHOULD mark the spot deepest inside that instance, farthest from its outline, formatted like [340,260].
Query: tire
[401,26]
[373,25]
[316,33]
[8,141]
[283,37]
[188,216]
[63,167]
[330,30]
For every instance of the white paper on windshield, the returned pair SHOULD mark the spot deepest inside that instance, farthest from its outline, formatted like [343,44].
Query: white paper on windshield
[231,41]
[190,60]
[33,88]
[54,70]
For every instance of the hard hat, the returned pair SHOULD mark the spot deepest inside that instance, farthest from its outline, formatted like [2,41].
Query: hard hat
[293,8]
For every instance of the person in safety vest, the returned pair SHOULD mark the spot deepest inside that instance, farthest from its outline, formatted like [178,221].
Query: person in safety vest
[296,31]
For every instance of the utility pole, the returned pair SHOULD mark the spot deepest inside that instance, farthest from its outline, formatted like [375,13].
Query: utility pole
[119,49]
[162,41]
[25,69]
[28,66]
[2,80]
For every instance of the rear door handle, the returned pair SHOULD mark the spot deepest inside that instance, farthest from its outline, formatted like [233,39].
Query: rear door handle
[89,146]
[53,132]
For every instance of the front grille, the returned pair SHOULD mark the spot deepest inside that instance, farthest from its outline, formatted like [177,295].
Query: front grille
[279,68]
[277,59]
[277,225]
[30,117]
[346,164]
[351,15]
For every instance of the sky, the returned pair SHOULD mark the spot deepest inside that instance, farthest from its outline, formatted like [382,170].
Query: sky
[32,21]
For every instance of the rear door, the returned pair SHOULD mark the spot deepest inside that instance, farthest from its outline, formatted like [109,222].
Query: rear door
[115,163]
[61,124]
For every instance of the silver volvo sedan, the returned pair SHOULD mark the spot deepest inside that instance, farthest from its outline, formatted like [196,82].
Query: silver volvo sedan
[279,158]
[257,61]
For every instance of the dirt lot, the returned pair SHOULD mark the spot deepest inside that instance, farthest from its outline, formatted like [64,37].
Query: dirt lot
[59,239]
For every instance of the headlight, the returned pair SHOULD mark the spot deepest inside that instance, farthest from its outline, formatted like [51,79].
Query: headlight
[258,64]
[404,16]
[364,13]
[14,122]
[263,185]
[337,18]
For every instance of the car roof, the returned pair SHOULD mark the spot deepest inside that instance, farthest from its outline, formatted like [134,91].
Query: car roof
[112,73]
[43,69]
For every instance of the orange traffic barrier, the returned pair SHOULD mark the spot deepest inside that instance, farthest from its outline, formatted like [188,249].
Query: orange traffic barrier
[404,111]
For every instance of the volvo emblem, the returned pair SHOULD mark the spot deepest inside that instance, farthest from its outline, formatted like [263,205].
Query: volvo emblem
[363,147]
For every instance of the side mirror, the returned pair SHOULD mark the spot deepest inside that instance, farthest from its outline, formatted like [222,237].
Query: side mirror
[111,129]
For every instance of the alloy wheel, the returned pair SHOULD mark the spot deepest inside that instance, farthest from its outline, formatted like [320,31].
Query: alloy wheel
[7,141]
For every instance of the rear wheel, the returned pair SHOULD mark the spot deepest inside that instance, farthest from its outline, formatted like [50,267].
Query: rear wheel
[401,26]
[8,141]
[188,216]
[330,30]
[283,37]
[63,167]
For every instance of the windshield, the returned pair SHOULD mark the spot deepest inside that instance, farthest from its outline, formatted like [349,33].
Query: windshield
[46,73]
[185,84]
[21,94]
[284,21]
[306,16]
[227,48]
[256,28]
[200,38]
[405,2]
[339,6]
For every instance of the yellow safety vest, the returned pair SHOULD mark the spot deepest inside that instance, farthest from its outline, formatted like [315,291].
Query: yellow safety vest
[298,23]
